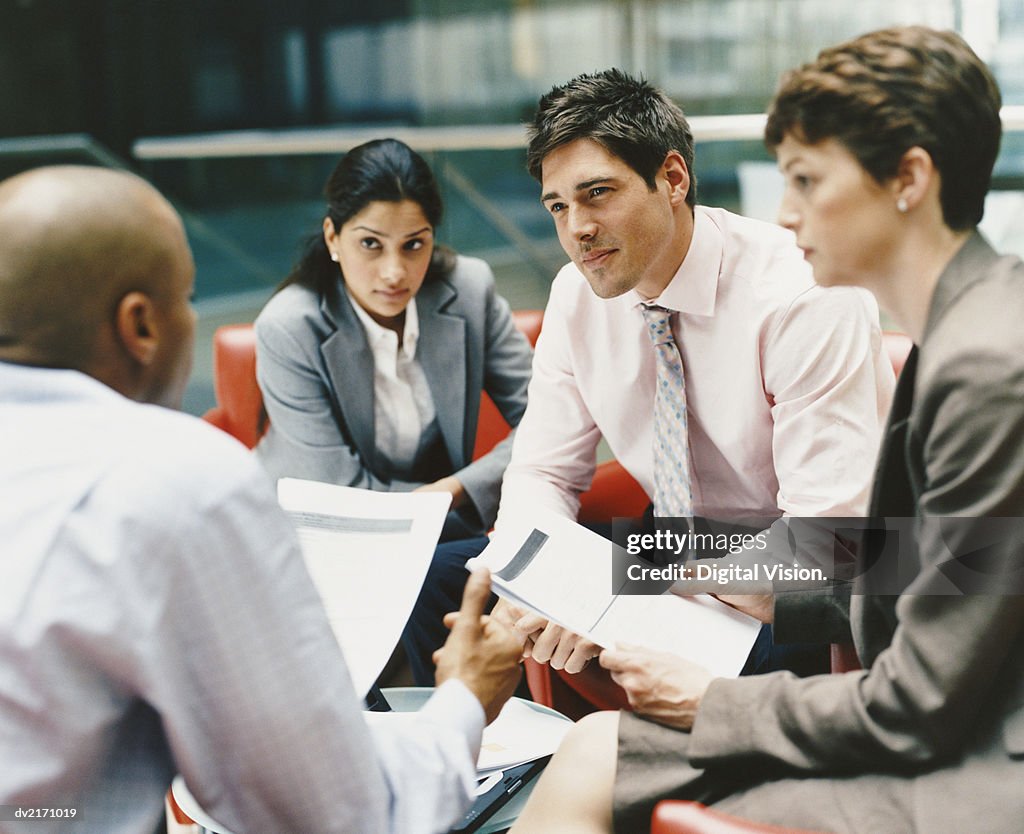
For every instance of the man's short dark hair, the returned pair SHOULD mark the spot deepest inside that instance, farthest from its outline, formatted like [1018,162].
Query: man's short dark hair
[628,116]
[888,91]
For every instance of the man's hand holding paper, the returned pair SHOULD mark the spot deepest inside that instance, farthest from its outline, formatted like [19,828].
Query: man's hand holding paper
[480,651]
[557,646]
[758,601]
[759,606]
[545,641]
[562,574]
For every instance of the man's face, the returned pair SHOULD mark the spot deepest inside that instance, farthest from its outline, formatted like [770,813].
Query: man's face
[619,233]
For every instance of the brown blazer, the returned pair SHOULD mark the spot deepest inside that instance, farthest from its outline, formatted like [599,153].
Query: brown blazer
[940,703]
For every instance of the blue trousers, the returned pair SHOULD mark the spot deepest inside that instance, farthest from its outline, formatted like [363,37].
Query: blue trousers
[441,593]
[802,659]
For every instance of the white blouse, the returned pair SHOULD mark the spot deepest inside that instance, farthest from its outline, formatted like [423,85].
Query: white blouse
[403,405]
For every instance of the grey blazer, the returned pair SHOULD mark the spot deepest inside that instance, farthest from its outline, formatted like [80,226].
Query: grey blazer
[939,707]
[315,370]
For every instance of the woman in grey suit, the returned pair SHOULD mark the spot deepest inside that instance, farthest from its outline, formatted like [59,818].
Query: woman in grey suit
[887,145]
[372,357]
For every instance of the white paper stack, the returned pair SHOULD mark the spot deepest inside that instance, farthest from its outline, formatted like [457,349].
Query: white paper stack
[368,553]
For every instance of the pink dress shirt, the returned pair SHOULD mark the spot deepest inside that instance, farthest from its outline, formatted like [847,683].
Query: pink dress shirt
[787,383]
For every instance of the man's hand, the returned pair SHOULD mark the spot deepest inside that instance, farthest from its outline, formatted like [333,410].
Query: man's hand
[481,652]
[758,601]
[558,647]
[506,613]
[544,641]
[659,685]
[759,606]
[449,484]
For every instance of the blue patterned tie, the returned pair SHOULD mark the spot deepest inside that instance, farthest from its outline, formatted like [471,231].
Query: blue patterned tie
[672,493]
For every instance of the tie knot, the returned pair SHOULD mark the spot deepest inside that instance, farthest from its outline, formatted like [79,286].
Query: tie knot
[659,326]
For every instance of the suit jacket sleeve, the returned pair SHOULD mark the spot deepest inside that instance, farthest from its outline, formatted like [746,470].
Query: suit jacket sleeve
[949,653]
[507,360]
[309,439]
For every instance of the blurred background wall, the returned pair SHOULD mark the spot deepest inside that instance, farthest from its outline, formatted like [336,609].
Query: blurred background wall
[238,111]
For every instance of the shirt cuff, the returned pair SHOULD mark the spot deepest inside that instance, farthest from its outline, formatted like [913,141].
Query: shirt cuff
[454,705]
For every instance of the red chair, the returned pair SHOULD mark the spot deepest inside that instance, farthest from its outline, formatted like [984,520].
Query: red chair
[898,346]
[678,817]
[240,404]
[239,401]
[613,493]
[491,427]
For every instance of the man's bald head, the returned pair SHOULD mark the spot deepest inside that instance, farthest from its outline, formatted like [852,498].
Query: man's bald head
[94,266]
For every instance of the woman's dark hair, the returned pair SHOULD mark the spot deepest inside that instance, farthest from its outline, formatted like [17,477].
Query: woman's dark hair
[383,170]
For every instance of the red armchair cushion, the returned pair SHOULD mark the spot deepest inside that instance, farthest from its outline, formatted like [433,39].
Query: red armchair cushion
[239,401]
[898,346]
[677,817]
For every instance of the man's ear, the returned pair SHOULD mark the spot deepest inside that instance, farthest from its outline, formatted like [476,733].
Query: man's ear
[677,175]
[137,328]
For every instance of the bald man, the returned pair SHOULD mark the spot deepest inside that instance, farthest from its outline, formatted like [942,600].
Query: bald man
[155,613]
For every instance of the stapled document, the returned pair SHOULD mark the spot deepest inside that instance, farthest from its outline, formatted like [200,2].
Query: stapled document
[563,571]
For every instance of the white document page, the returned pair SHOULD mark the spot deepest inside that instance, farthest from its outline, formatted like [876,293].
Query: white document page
[564,572]
[368,553]
[520,734]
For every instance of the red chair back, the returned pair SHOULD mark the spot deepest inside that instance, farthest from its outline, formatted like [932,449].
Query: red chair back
[898,346]
[239,401]
[613,493]
[491,427]
[678,817]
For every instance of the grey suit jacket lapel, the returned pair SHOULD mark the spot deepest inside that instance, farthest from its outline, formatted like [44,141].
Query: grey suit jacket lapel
[968,266]
[442,355]
[893,492]
[896,485]
[872,607]
[890,492]
[349,363]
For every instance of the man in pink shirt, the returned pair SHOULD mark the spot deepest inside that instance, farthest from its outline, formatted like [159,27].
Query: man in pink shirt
[786,384]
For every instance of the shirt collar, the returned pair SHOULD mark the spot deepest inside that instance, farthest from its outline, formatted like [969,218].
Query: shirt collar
[694,287]
[375,333]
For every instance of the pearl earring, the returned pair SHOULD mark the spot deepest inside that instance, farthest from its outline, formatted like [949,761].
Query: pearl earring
[334,255]
[901,205]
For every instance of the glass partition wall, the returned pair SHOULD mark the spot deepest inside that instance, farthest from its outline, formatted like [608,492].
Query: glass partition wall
[238,113]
